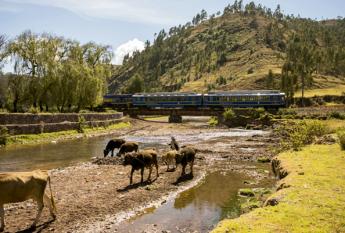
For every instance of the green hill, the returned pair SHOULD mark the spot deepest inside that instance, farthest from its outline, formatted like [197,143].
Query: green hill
[235,50]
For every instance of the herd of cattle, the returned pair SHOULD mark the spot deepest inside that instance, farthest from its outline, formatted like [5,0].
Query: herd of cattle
[22,186]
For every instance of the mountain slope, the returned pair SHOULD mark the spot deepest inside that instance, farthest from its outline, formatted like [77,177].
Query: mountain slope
[234,50]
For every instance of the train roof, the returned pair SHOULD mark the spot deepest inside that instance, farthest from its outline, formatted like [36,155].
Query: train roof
[166,94]
[245,92]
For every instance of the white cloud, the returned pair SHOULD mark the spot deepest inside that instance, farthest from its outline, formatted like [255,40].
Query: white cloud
[127,10]
[127,48]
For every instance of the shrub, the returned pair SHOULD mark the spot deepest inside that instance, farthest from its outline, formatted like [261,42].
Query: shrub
[213,121]
[33,110]
[3,135]
[341,136]
[229,114]
[296,135]
[336,115]
[81,124]
[250,70]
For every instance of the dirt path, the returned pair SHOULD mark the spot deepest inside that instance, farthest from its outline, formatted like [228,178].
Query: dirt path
[91,197]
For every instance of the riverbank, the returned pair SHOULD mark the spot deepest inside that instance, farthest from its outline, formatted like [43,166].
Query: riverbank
[26,139]
[311,197]
[94,198]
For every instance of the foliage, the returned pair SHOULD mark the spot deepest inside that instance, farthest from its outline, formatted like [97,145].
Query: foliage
[295,134]
[229,114]
[3,135]
[337,115]
[81,124]
[230,45]
[136,85]
[309,196]
[213,121]
[341,136]
[55,72]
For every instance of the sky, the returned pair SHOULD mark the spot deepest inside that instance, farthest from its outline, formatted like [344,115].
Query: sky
[126,24]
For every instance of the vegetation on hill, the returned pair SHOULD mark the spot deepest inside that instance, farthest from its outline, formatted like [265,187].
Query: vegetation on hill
[53,72]
[245,47]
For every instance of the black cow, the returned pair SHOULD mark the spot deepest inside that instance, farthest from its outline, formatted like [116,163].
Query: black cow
[112,144]
[140,160]
[186,155]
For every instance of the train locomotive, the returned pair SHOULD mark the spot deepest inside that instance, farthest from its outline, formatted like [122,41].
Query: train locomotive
[269,99]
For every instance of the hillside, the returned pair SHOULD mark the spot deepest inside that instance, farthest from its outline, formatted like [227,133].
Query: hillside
[233,50]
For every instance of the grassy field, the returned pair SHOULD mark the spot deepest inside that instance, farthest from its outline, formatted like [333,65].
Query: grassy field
[48,137]
[314,202]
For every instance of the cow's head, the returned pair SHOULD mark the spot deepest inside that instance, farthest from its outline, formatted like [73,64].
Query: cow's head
[105,152]
[128,159]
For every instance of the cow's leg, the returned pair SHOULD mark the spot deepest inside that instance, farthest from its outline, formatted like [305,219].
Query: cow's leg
[167,167]
[40,206]
[150,171]
[112,152]
[50,206]
[191,167]
[131,179]
[2,216]
[156,164]
[142,175]
[183,169]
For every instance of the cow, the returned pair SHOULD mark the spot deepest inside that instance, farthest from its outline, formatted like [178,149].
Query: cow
[186,155]
[140,160]
[22,186]
[169,158]
[128,147]
[113,144]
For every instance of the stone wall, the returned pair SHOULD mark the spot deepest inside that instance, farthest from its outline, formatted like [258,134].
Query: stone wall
[46,123]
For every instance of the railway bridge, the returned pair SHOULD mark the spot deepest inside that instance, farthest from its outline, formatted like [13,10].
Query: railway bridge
[175,115]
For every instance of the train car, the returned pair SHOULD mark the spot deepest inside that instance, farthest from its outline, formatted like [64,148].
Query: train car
[176,100]
[119,101]
[245,99]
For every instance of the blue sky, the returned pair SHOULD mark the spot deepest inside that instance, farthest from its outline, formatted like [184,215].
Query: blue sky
[129,22]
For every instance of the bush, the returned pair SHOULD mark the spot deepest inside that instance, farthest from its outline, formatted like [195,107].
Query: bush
[213,121]
[336,115]
[33,110]
[81,124]
[296,135]
[229,114]
[3,135]
[341,136]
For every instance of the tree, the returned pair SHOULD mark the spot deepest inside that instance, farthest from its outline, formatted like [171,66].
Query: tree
[136,85]
[270,80]
[3,53]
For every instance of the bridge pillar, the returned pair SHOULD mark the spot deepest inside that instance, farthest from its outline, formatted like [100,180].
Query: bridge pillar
[175,119]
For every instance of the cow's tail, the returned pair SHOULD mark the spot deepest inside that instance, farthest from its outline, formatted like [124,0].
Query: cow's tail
[51,195]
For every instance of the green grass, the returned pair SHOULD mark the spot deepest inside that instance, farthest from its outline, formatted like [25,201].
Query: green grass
[314,202]
[338,90]
[48,137]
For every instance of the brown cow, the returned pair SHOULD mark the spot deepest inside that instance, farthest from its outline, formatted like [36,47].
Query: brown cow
[186,155]
[128,147]
[22,186]
[169,158]
[140,160]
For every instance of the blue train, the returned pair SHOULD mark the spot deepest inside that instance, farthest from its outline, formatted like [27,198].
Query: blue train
[182,100]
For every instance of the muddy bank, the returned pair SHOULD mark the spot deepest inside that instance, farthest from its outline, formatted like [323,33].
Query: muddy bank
[94,198]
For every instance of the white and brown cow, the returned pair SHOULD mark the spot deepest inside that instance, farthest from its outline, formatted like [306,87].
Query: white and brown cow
[22,186]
